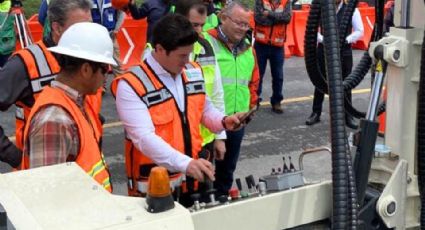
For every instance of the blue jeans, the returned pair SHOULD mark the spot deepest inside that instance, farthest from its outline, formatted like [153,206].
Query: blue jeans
[276,57]
[224,169]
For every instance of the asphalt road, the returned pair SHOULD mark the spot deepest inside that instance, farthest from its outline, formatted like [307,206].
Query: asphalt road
[268,137]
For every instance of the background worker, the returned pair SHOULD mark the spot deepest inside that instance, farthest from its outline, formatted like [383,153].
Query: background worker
[271,18]
[239,75]
[203,54]
[213,145]
[153,10]
[42,17]
[7,31]
[161,103]
[103,13]
[356,31]
[61,126]
[214,8]
[29,70]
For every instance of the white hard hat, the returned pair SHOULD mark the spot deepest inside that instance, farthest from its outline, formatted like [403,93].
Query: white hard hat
[86,40]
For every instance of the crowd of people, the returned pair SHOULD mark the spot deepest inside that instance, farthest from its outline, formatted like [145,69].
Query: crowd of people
[184,106]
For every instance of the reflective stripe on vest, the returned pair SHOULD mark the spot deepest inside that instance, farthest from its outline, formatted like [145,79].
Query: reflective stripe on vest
[234,80]
[42,68]
[89,156]
[203,61]
[272,34]
[204,56]
[236,74]
[168,120]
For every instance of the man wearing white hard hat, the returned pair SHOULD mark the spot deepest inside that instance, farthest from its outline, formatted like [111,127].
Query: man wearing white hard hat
[61,125]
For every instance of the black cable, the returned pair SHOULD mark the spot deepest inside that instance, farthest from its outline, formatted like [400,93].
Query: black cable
[339,143]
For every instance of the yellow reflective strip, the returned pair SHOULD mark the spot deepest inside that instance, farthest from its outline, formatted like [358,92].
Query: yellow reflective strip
[96,168]
[106,183]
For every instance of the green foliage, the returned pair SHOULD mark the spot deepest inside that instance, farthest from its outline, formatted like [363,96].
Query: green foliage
[31,7]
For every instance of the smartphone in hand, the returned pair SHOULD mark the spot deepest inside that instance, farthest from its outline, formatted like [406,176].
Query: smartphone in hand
[246,118]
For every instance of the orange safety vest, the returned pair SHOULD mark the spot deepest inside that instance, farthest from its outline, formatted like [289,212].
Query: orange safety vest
[179,129]
[275,34]
[89,157]
[42,67]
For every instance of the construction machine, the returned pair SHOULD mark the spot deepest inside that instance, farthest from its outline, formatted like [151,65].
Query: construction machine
[368,190]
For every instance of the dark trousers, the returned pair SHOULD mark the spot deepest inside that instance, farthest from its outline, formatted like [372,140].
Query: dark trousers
[224,169]
[346,65]
[275,55]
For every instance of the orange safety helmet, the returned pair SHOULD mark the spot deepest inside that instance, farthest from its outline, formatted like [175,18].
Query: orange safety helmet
[120,4]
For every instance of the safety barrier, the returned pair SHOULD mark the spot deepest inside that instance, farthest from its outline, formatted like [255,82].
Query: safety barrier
[35,28]
[289,42]
[299,18]
[368,18]
[131,40]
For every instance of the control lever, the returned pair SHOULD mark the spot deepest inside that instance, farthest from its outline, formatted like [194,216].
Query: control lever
[250,181]
[210,191]
[291,166]
[239,183]
[285,168]
[195,197]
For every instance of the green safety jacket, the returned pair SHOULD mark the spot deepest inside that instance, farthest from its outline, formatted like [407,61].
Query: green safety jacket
[7,29]
[203,54]
[237,72]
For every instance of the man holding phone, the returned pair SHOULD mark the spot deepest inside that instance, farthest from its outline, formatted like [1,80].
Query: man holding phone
[240,77]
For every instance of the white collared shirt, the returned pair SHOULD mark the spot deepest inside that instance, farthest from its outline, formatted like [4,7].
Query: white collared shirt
[357,24]
[138,123]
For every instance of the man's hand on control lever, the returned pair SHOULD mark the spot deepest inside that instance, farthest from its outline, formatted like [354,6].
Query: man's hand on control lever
[199,168]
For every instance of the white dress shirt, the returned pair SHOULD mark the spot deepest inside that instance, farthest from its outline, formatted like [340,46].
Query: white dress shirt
[357,24]
[138,123]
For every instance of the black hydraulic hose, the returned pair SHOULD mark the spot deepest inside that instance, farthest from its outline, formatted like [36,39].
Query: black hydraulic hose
[317,77]
[343,30]
[358,74]
[339,143]
[310,48]
[421,136]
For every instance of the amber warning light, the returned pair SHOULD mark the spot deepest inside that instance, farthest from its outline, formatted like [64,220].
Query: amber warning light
[159,196]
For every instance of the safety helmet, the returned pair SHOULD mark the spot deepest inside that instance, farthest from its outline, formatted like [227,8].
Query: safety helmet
[119,4]
[86,40]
